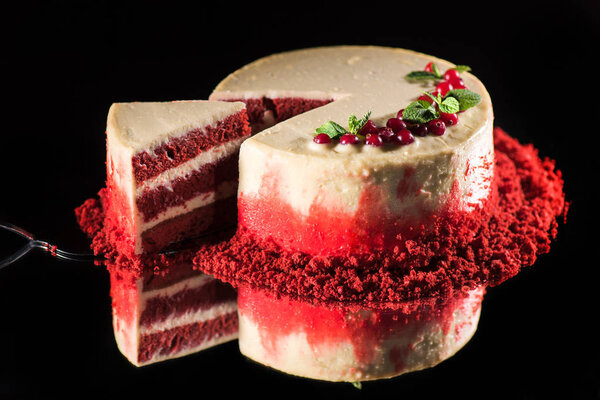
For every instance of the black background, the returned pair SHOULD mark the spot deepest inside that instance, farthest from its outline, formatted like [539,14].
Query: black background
[64,64]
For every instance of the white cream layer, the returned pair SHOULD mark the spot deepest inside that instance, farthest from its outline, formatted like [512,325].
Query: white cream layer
[422,345]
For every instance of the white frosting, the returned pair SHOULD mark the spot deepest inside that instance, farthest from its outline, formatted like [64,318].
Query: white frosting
[421,344]
[358,79]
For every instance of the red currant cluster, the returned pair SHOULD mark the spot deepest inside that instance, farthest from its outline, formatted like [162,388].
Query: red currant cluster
[399,132]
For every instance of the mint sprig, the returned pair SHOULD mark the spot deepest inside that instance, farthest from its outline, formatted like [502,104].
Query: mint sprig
[331,129]
[335,130]
[355,124]
[466,99]
[435,73]
[421,111]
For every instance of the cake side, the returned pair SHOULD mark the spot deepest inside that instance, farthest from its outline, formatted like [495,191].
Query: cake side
[336,198]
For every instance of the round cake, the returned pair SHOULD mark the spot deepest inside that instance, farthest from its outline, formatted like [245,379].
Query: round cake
[364,248]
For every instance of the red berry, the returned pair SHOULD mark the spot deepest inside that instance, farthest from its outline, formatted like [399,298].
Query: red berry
[436,127]
[404,137]
[451,74]
[457,83]
[374,139]
[444,87]
[429,67]
[395,124]
[386,134]
[399,115]
[349,138]
[449,119]
[418,130]
[367,128]
[322,138]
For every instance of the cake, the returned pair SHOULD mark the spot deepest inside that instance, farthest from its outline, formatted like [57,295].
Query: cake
[171,170]
[336,254]
[171,183]
[362,250]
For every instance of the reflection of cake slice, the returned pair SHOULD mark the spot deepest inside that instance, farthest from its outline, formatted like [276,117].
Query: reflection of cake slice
[171,170]
[161,317]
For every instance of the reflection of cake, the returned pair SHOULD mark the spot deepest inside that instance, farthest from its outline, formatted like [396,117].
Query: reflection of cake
[342,241]
[159,317]
[172,167]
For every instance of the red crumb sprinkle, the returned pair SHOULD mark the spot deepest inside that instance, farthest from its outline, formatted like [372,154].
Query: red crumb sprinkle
[483,248]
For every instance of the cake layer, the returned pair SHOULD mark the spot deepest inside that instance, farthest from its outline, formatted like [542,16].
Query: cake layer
[336,198]
[166,160]
[159,317]
[338,343]
[214,216]
[208,178]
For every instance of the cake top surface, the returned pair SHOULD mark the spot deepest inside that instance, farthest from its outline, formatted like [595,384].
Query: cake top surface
[145,125]
[358,79]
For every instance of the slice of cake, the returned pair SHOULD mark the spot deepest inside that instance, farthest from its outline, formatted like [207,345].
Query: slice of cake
[159,317]
[171,170]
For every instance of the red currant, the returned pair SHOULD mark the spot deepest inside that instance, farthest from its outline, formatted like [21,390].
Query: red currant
[322,138]
[386,134]
[457,83]
[367,128]
[395,124]
[436,127]
[419,130]
[429,67]
[449,119]
[374,139]
[399,115]
[349,138]
[451,74]
[404,137]
[444,87]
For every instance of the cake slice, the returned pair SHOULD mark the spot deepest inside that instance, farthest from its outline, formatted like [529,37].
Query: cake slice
[159,317]
[171,171]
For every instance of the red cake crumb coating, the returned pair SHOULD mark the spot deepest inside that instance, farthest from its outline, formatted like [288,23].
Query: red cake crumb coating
[461,251]
[181,149]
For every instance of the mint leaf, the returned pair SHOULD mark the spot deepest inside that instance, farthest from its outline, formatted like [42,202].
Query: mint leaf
[466,98]
[436,71]
[420,112]
[462,68]
[357,384]
[449,105]
[437,98]
[331,129]
[421,75]
[355,124]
